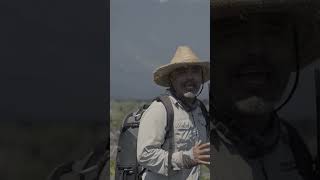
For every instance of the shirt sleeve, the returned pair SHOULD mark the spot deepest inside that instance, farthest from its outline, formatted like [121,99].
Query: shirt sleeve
[151,137]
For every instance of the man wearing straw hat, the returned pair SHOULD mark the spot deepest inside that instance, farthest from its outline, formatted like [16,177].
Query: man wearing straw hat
[255,46]
[184,77]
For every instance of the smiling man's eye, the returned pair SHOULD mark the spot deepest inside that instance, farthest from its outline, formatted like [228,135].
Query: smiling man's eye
[196,69]
[181,71]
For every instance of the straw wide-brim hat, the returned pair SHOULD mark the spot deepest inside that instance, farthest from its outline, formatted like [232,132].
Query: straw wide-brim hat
[184,57]
[304,13]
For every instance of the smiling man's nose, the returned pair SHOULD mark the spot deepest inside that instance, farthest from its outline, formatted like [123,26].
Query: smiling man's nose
[255,42]
[189,74]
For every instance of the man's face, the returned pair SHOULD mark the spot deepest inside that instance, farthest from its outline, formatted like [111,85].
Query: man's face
[253,58]
[186,81]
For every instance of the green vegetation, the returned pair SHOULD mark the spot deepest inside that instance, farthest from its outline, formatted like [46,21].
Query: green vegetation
[112,168]
[205,173]
[119,109]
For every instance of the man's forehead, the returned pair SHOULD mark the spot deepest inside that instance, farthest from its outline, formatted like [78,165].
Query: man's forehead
[188,67]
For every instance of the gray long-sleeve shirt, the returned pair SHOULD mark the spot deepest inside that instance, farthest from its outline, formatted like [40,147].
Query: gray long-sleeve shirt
[152,147]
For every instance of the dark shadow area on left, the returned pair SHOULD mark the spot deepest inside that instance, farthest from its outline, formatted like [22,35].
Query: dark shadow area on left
[54,74]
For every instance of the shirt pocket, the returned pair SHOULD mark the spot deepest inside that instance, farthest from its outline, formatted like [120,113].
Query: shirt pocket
[184,134]
[202,122]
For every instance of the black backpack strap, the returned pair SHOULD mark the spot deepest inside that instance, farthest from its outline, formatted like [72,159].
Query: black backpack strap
[206,116]
[92,163]
[62,169]
[302,156]
[100,157]
[169,128]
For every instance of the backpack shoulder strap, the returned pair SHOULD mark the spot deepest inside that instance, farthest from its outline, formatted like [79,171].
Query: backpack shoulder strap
[170,114]
[61,170]
[80,168]
[206,115]
[302,156]
[203,109]
[169,128]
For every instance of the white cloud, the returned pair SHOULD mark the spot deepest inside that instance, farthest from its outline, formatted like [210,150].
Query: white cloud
[163,1]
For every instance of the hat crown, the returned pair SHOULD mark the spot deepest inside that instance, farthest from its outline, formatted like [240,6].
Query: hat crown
[184,54]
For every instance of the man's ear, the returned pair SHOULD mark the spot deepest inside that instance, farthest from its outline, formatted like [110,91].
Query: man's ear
[170,83]
[170,78]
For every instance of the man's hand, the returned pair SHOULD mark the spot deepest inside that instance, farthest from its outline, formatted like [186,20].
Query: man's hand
[201,153]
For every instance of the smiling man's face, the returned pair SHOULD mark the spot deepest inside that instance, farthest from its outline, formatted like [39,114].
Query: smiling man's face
[186,81]
[253,57]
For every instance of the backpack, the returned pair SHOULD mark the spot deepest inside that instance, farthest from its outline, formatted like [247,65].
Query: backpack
[127,166]
[93,166]
[304,161]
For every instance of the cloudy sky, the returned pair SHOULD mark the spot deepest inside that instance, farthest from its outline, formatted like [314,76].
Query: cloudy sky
[145,34]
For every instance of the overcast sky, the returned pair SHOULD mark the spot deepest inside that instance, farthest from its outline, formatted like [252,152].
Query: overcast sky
[145,34]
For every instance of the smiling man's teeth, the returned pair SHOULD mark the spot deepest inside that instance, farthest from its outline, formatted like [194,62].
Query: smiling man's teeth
[251,78]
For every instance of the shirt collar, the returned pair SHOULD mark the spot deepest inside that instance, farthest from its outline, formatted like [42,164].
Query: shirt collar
[178,103]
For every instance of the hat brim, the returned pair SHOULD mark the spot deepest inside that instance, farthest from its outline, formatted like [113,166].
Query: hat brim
[161,75]
[223,8]
[306,14]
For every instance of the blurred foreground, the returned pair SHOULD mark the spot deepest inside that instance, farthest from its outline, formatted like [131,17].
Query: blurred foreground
[31,150]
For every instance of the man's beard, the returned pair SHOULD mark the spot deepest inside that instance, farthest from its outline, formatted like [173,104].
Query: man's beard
[189,95]
[254,106]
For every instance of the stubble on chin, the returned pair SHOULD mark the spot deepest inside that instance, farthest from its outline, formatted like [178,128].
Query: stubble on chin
[254,106]
[189,95]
